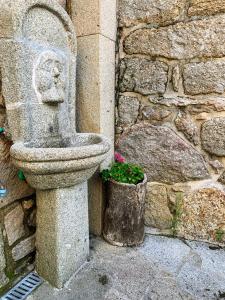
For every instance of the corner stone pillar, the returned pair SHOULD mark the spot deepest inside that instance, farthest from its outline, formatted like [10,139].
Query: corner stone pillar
[95,23]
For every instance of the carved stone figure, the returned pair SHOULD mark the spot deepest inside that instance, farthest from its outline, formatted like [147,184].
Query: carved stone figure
[50,77]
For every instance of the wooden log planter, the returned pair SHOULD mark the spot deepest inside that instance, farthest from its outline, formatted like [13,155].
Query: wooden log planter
[124,215]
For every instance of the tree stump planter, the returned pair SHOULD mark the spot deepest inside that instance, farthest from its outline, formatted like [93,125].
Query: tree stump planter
[124,215]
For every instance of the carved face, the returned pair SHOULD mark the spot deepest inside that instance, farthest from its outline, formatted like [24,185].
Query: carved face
[50,77]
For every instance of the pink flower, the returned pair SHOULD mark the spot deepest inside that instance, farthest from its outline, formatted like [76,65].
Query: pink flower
[119,158]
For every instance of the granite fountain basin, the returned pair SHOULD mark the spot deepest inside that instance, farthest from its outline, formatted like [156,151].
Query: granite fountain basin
[62,166]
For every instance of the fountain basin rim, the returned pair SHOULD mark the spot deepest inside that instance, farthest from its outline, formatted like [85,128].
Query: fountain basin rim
[22,152]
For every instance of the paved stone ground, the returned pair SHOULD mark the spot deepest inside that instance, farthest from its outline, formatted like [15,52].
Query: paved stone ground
[162,268]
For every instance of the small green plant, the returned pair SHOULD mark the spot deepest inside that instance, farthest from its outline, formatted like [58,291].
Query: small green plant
[123,172]
[21,175]
[177,213]
[219,234]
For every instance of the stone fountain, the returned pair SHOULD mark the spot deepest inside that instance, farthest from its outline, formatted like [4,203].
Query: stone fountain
[38,62]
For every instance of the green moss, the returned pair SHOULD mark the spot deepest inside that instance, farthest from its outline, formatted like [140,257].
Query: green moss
[219,234]
[178,210]
[10,275]
[21,175]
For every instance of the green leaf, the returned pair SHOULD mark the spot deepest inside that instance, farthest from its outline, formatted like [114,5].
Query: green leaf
[124,172]
[21,175]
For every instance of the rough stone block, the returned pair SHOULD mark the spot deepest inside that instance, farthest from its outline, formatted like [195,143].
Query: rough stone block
[213,136]
[28,204]
[3,279]
[203,215]
[176,78]
[132,12]
[13,222]
[143,76]
[31,219]
[204,78]
[128,109]
[206,7]
[16,188]
[155,114]
[157,213]
[24,248]
[193,106]
[164,156]
[185,124]
[201,38]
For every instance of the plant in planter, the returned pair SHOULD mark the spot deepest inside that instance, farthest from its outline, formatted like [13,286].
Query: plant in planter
[124,215]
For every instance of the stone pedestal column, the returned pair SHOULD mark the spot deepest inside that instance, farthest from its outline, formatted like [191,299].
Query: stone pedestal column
[62,232]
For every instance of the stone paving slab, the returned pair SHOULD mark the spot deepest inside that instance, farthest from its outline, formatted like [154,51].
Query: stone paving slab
[162,268]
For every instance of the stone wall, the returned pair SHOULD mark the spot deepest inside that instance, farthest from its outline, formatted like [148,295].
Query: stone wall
[17,215]
[171,110]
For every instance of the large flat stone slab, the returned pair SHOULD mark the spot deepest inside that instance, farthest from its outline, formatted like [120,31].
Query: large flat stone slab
[164,155]
[14,224]
[24,248]
[157,213]
[132,12]
[180,41]
[162,268]
[203,272]
[203,214]
[204,78]
[206,7]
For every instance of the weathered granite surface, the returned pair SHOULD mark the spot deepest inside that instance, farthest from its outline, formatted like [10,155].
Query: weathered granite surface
[62,232]
[206,7]
[132,12]
[213,136]
[162,268]
[24,248]
[14,225]
[15,236]
[201,38]
[128,110]
[3,279]
[203,213]
[171,58]
[186,125]
[157,212]
[204,78]
[164,156]
[143,76]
